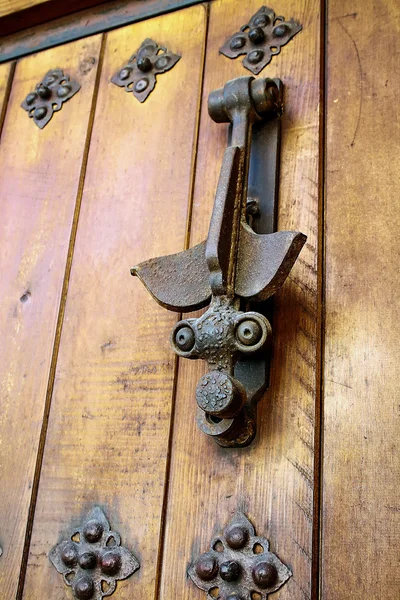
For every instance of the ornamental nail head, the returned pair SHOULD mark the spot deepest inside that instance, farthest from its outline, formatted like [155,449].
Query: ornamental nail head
[92,559]
[260,39]
[49,96]
[239,565]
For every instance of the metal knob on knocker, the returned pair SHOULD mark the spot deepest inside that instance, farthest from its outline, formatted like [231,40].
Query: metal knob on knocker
[242,262]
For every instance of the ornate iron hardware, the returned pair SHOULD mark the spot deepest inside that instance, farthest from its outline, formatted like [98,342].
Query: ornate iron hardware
[231,269]
[139,74]
[239,565]
[49,96]
[92,560]
[260,39]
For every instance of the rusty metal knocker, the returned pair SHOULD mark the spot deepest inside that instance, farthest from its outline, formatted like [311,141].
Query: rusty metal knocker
[234,268]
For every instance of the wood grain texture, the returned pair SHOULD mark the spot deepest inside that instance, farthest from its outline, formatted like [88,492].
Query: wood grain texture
[361,467]
[272,480]
[109,423]
[6,75]
[40,171]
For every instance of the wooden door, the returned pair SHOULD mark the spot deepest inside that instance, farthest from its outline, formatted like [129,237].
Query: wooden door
[96,409]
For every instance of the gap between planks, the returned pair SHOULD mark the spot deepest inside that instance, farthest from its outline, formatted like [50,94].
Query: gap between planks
[7,93]
[319,413]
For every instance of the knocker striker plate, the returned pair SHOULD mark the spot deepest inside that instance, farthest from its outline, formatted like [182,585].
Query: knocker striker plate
[233,269]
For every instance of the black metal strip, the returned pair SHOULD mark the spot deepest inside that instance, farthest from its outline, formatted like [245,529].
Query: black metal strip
[83,24]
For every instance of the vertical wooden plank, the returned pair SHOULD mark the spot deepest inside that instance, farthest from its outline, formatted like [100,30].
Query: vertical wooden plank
[361,467]
[6,74]
[109,423]
[272,480]
[40,174]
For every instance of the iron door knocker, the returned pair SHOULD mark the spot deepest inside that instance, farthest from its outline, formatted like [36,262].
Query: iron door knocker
[234,268]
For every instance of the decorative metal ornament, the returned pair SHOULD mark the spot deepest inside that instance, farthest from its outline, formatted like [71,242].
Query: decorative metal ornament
[139,74]
[239,565]
[239,264]
[92,560]
[49,96]
[261,39]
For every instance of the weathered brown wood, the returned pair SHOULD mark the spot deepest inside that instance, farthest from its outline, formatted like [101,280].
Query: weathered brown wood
[6,75]
[272,480]
[12,6]
[78,25]
[361,466]
[40,171]
[109,423]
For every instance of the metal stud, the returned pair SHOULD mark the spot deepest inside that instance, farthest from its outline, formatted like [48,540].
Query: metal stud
[49,96]
[235,568]
[260,39]
[150,58]
[87,562]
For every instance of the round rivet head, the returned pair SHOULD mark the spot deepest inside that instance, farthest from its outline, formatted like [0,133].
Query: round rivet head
[69,554]
[261,21]
[256,35]
[124,73]
[162,62]
[236,536]
[280,30]
[255,56]
[93,531]
[110,562]
[44,92]
[87,560]
[144,64]
[30,99]
[141,85]
[148,49]
[237,42]
[206,566]
[184,338]
[249,332]
[63,91]
[265,574]
[40,113]
[50,79]
[230,570]
[84,588]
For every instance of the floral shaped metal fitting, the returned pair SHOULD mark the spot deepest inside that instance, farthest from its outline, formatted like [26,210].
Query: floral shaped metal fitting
[239,565]
[260,39]
[49,96]
[92,560]
[139,74]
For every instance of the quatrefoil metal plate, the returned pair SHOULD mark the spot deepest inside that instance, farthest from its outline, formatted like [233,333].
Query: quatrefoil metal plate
[49,95]
[139,74]
[92,559]
[260,39]
[239,565]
